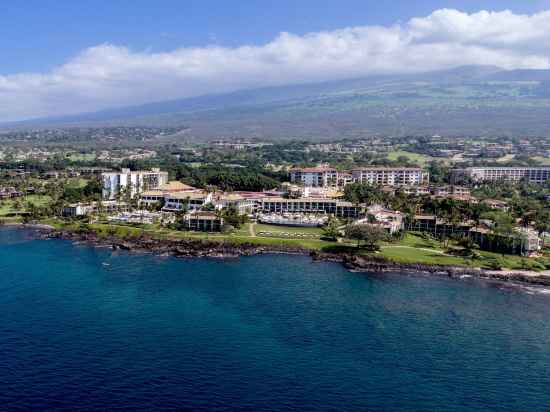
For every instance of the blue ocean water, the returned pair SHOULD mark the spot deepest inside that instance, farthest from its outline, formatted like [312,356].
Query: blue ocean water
[83,328]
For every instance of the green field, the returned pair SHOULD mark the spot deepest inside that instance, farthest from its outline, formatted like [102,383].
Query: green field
[420,159]
[76,182]
[545,161]
[81,157]
[8,206]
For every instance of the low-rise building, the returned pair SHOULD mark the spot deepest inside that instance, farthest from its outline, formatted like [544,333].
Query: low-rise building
[86,209]
[199,221]
[176,202]
[9,193]
[313,205]
[158,196]
[244,203]
[496,204]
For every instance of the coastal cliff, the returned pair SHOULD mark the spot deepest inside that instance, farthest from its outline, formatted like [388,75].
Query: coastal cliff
[227,249]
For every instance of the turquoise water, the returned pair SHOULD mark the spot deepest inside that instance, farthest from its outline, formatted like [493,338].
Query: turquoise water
[90,329]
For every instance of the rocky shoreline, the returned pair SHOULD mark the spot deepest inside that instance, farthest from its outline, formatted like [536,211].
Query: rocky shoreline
[193,248]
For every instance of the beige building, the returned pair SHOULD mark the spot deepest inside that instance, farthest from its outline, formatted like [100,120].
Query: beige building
[158,196]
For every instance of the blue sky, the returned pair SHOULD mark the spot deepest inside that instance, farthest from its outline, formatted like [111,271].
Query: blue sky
[38,35]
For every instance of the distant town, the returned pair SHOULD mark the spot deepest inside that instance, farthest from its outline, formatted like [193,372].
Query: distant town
[482,202]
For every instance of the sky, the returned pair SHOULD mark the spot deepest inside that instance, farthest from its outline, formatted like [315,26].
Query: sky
[64,56]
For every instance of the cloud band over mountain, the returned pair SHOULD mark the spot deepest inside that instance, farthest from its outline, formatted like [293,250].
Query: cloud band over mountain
[108,75]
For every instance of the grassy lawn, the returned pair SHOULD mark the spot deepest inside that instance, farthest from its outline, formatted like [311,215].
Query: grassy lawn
[7,206]
[411,249]
[545,161]
[81,157]
[76,182]
[413,157]
[37,200]
[406,255]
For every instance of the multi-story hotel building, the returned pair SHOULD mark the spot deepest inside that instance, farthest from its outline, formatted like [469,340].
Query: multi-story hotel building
[312,205]
[391,176]
[176,202]
[492,174]
[387,176]
[314,176]
[131,183]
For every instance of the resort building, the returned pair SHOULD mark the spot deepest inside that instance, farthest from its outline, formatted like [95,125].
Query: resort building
[391,176]
[496,204]
[86,209]
[314,176]
[131,183]
[389,220]
[157,196]
[203,222]
[452,190]
[9,193]
[312,205]
[245,203]
[416,190]
[176,202]
[537,175]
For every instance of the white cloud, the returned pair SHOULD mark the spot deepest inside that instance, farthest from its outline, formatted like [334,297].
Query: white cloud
[110,76]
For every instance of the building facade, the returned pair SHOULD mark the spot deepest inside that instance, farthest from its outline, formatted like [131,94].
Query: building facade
[391,176]
[176,202]
[314,176]
[312,205]
[85,209]
[203,222]
[537,175]
[131,183]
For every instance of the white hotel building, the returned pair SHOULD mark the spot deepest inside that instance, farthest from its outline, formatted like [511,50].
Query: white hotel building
[136,182]
[385,176]
[536,175]
[391,176]
[314,176]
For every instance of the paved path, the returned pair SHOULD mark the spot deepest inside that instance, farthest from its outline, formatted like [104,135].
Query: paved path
[251,230]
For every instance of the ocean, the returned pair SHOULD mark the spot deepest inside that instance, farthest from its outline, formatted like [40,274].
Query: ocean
[85,328]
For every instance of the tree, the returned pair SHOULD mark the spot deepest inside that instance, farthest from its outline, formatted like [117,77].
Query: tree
[369,235]
[231,216]
[331,230]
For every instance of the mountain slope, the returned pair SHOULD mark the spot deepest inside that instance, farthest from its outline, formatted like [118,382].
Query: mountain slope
[465,100]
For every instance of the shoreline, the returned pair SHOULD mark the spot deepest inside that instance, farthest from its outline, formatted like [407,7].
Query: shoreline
[193,248]
[196,248]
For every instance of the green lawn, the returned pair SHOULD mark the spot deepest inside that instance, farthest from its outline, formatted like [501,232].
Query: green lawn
[76,182]
[413,248]
[545,161]
[413,157]
[81,157]
[7,206]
